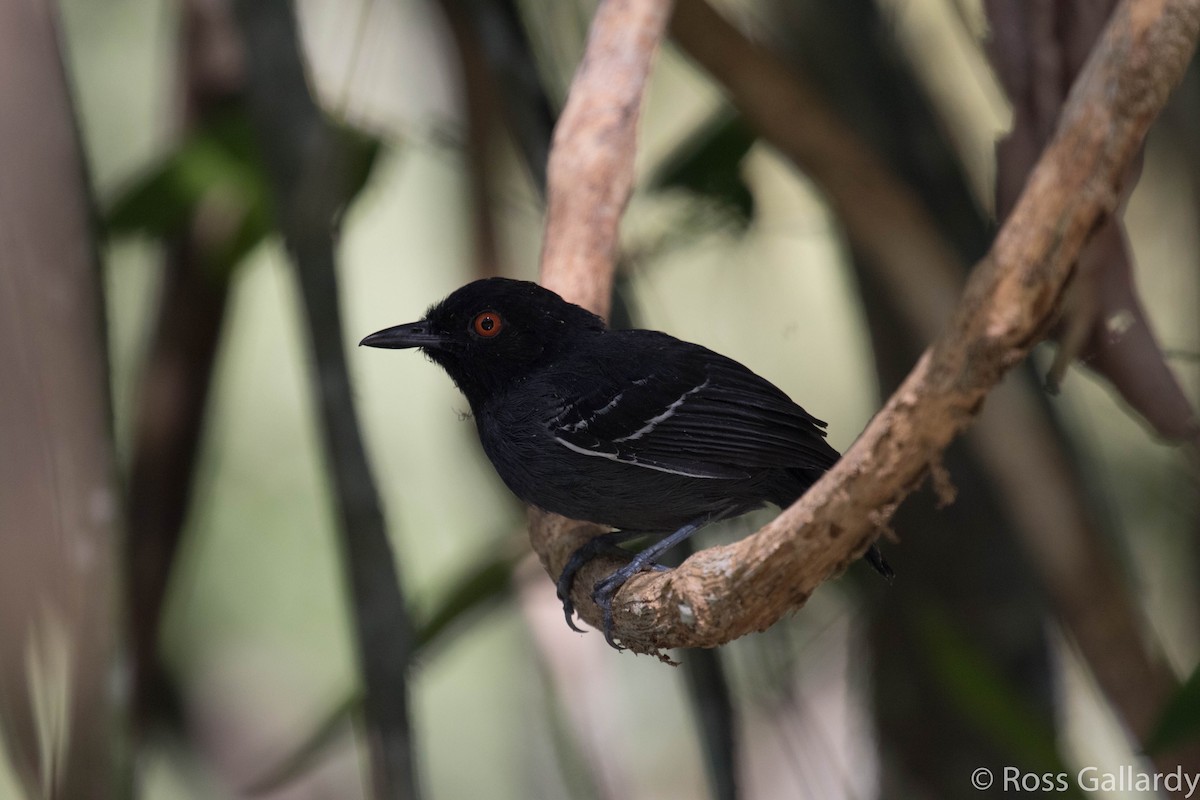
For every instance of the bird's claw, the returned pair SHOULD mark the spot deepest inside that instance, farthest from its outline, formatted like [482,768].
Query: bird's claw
[604,590]
[606,544]
[568,608]
[602,596]
[565,581]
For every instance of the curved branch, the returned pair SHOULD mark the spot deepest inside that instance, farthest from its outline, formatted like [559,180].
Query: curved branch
[589,178]
[923,280]
[725,592]
[590,173]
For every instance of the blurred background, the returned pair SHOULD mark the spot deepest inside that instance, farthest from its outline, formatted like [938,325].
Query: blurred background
[237,671]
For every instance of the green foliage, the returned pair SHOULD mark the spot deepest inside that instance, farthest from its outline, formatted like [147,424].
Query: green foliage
[214,178]
[984,696]
[1179,722]
[215,184]
[709,164]
[331,727]
[484,586]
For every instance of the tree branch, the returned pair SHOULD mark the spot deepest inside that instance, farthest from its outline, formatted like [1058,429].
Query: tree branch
[173,390]
[62,717]
[895,238]
[1036,52]
[725,592]
[590,174]
[310,172]
[885,220]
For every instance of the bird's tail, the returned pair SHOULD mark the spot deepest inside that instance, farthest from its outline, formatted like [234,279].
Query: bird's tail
[806,477]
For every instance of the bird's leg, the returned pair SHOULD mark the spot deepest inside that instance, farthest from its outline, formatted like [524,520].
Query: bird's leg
[603,592]
[606,544]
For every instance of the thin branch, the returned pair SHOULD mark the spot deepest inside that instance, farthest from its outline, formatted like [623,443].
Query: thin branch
[728,591]
[481,107]
[309,170]
[525,105]
[173,389]
[883,218]
[582,683]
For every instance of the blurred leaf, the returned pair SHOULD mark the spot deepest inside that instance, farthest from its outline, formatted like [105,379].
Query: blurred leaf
[481,588]
[361,150]
[709,164]
[311,750]
[215,183]
[1180,718]
[984,696]
[216,178]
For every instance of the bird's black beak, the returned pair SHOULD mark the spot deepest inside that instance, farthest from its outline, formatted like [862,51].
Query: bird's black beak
[412,334]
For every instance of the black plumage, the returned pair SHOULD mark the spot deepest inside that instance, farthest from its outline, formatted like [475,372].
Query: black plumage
[632,429]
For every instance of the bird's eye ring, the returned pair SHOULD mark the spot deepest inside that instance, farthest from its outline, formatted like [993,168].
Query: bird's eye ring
[487,324]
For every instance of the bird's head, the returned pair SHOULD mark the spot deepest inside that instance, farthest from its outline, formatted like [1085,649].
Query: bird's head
[492,333]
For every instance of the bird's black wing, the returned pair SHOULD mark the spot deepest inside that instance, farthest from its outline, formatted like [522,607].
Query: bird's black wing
[668,405]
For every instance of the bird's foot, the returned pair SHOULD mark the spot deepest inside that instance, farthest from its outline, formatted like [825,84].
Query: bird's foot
[604,591]
[607,544]
[602,596]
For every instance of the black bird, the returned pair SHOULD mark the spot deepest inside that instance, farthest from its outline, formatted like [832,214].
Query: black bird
[633,429]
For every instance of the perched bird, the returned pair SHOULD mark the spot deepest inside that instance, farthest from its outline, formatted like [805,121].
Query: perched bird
[632,429]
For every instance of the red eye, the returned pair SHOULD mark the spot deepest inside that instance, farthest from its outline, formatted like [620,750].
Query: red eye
[487,324]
